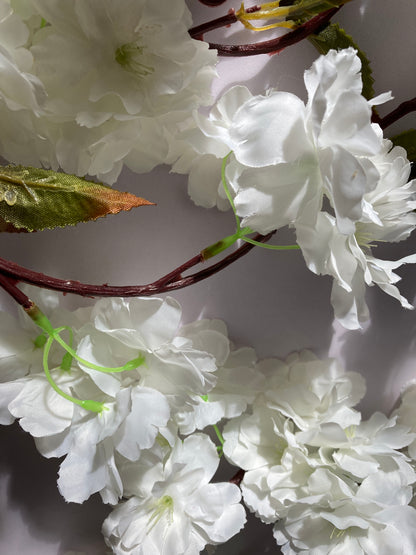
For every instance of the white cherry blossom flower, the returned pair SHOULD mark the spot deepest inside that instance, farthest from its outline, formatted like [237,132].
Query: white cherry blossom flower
[171,369]
[288,154]
[388,215]
[128,423]
[339,516]
[311,391]
[119,83]
[406,413]
[238,382]
[276,466]
[125,329]
[177,509]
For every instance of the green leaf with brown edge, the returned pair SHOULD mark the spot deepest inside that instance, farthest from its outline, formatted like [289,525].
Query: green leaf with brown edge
[333,36]
[36,199]
[407,140]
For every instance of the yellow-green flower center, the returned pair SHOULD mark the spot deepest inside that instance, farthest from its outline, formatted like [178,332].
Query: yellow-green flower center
[131,57]
[163,506]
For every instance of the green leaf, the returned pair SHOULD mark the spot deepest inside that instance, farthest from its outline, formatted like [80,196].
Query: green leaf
[305,9]
[36,199]
[407,140]
[333,36]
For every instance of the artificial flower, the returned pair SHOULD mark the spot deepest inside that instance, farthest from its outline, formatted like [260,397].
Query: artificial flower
[122,329]
[288,155]
[238,381]
[177,509]
[119,83]
[311,391]
[388,215]
[169,374]
[339,516]
[276,466]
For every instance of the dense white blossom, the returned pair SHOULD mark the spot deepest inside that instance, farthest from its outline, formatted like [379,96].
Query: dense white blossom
[288,154]
[238,381]
[119,83]
[288,157]
[276,465]
[340,516]
[388,215]
[170,374]
[274,444]
[311,391]
[176,509]
[123,329]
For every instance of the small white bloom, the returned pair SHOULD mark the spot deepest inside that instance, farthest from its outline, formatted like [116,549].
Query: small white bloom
[311,391]
[238,382]
[406,413]
[341,517]
[119,83]
[122,330]
[276,466]
[388,215]
[182,512]
[201,148]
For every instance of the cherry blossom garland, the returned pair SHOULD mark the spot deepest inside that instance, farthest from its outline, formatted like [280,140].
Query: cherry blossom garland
[335,482]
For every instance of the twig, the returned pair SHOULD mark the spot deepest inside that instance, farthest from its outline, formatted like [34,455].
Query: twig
[402,110]
[272,46]
[10,273]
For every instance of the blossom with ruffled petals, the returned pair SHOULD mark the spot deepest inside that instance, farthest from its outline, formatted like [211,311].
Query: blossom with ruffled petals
[119,83]
[388,215]
[171,373]
[340,516]
[176,509]
[311,391]
[288,155]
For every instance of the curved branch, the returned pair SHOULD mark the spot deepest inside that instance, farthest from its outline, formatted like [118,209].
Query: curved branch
[12,273]
[273,46]
[402,110]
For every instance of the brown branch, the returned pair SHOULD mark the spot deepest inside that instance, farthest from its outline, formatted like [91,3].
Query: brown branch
[273,46]
[238,477]
[9,285]
[212,2]
[402,110]
[10,273]
[224,21]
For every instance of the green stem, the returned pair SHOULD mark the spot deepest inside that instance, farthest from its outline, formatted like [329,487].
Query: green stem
[227,191]
[241,233]
[131,365]
[88,404]
[219,434]
[271,247]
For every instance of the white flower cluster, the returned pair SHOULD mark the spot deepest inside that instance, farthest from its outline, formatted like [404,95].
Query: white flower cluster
[131,448]
[330,482]
[88,86]
[321,167]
